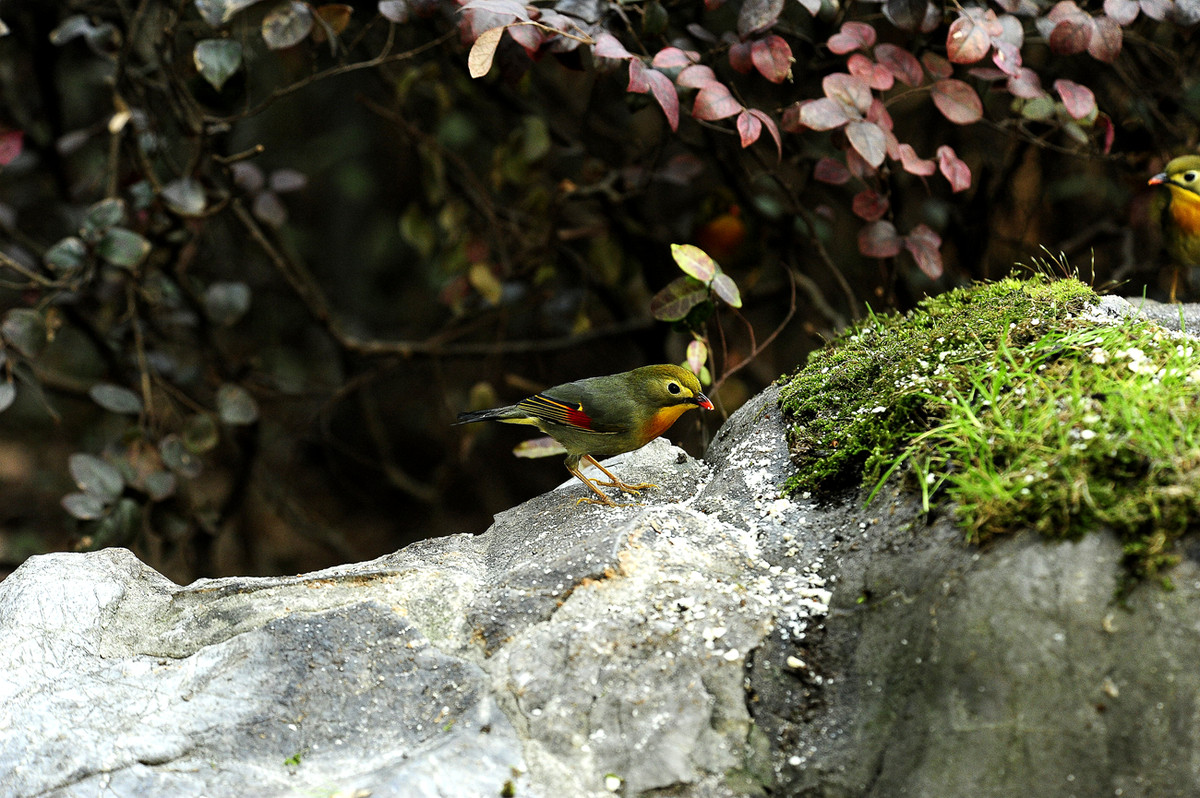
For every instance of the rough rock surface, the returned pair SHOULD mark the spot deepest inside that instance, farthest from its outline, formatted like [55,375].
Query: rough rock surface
[715,641]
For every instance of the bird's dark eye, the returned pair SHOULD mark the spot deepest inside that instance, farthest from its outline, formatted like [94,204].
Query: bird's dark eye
[1190,177]
[673,387]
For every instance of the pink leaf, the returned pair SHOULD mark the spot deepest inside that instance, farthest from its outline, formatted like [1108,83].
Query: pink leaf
[967,41]
[1071,36]
[957,101]
[877,77]
[900,62]
[1026,84]
[529,37]
[697,76]
[953,168]
[924,244]
[823,114]
[831,171]
[714,102]
[637,77]
[740,57]
[11,142]
[936,66]
[924,167]
[1007,57]
[789,120]
[868,205]
[749,128]
[1105,44]
[879,240]
[849,90]
[1078,100]
[772,58]
[878,114]
[868,140]
[608,46]
[757,15]
[1121,12]
[643,80]
[852,36]
[771,127]
[672,58]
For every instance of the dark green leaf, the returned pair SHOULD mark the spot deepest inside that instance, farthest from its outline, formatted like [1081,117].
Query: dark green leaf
[8,394]
[235,405]
[96,477]
[287,24]
[225,303]
[217,60]
[103,215]
[119,527]
[185,196]
[116,398]
[24,329]
[678,298]
[200,434]
[123,248]
[84,506]
[66,256]
[724,287]
[179,458]
[160,485]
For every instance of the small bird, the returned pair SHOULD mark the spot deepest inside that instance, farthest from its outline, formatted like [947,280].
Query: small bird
[603,416]
[1177,209]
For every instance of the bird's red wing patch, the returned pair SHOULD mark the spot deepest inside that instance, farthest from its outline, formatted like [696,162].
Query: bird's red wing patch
[549,409]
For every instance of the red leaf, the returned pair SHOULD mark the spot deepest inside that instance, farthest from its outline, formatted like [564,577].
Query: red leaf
[869,205]
[637,77]
[1026,84]
[643,80]
[849,90]
[831,171]
[672,58]
[852,36]
[900,62]
[936,66]
[823,114]
[11,143]
[1071,36]
[697,76]
[772,58]
[740,58]
[608,46]
[868,140]
[1109,132]
[924,244]
[923,167]
[877,77]
[790,119]
[1106,40]
[955,171]
[878,114]
[967,41]
[749,128]
[879,240]
[957,101]
[857,166]
[1078,100]
[771,127]
[715,102]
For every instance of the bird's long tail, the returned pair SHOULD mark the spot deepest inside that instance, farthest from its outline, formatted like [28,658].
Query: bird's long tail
[495,414]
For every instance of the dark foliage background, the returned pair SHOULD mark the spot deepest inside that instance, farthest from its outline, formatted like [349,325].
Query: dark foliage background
[256,256]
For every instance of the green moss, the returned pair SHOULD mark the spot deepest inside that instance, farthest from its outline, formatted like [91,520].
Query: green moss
[999,399]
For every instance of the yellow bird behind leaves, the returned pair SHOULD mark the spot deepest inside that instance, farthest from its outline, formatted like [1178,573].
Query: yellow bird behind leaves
[603,416]
[1177,209]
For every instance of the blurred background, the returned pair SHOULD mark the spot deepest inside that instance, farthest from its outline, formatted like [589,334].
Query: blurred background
[255,257]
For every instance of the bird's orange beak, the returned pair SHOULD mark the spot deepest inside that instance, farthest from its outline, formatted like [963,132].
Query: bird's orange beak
[703,402]
[1158,179]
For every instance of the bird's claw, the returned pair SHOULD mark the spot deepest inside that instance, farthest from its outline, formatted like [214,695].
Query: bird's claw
[605,503]
[626,487]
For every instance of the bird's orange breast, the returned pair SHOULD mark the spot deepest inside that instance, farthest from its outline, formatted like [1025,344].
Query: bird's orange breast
[661,421]
[1185,210]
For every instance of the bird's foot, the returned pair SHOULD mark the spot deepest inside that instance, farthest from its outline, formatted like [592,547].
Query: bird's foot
[632,490]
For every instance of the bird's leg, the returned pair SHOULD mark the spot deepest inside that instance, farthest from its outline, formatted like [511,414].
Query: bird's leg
[604,499]
[1174,282]
[616,483]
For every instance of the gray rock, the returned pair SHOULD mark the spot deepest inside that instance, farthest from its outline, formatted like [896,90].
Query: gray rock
[716,640]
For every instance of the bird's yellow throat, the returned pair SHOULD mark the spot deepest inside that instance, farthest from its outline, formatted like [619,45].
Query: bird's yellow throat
[1185,209]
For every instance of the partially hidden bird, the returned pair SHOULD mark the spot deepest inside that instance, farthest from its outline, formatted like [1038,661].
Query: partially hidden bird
[603,416]
[1177,209]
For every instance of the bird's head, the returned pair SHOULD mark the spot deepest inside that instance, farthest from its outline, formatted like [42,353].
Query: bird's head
[669,386]
[1182,173]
